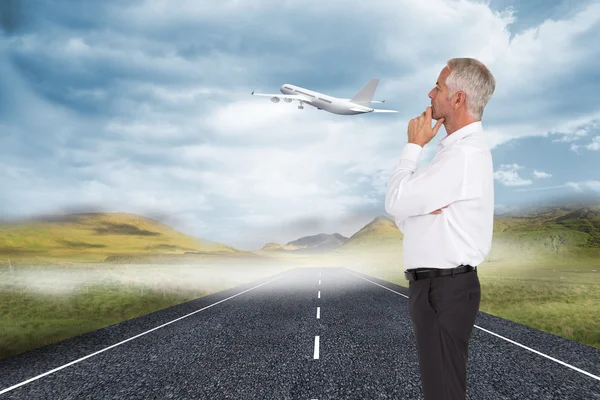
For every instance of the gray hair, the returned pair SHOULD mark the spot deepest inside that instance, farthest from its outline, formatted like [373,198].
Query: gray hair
[472,77]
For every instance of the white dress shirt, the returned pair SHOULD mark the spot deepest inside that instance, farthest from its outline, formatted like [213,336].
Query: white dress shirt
[461,176]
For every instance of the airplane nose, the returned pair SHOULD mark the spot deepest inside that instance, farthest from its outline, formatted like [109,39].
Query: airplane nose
[281,89]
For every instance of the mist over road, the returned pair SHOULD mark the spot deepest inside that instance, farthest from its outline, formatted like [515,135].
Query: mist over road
[309,333]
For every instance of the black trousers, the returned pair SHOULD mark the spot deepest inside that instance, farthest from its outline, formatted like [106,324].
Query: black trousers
[443,310]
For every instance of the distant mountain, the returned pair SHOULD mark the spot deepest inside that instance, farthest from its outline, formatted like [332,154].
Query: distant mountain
[272,246]
[322,240]
[100,237]
[381,232]
[319,243]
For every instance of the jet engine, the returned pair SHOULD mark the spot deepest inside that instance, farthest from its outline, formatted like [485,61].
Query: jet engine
[275,99]
[287,100]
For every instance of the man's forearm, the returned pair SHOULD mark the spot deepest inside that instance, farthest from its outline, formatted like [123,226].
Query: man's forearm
[405,168]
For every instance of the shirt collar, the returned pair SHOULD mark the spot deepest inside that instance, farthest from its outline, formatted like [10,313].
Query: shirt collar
[461,133]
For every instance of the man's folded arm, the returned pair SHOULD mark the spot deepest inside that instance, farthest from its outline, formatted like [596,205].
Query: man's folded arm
[437,185]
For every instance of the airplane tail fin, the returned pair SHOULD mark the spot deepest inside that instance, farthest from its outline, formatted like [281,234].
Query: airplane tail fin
[365,95]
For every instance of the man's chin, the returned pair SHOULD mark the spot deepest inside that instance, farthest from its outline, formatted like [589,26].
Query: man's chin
[433,114]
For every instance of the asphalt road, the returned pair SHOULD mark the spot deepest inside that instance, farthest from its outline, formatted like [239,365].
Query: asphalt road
[310,333]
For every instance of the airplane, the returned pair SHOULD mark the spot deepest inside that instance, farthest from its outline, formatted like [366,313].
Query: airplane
[359,104]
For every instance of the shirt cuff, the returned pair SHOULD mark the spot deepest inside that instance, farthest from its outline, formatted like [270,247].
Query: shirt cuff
[410,156]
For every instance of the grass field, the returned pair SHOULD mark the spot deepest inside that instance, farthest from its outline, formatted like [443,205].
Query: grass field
[40,306]
[553,295]
[43,306]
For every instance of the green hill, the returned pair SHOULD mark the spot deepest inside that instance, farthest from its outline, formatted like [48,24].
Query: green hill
[551,232]
[100,237]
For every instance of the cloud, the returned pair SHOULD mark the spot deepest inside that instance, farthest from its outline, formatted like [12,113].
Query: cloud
[580,186]
[586,187]
[146,107]
[543,188]
[540,174]
[508,176]
[594,145]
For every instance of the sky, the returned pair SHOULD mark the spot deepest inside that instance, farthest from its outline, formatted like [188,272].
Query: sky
[144,107]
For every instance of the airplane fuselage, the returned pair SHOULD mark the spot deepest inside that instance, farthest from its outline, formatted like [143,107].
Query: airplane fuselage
[324,102]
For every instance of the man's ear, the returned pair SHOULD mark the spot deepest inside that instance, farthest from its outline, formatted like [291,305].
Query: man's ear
[460,100]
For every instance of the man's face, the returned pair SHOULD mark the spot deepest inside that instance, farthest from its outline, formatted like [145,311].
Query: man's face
[440,105]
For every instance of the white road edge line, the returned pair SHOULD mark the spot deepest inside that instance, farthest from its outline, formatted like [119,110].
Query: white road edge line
[316,356]
[501,337]
[134,337]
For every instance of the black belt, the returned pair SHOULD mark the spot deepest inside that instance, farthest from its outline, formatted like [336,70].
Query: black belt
[424,273]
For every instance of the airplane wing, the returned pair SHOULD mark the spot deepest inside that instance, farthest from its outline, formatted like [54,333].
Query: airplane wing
[285,96]
[372,101]
[374,110]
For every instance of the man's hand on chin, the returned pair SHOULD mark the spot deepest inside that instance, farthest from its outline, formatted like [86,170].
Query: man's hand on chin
[419,129]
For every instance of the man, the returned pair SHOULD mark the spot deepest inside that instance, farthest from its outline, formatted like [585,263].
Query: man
[445,211]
